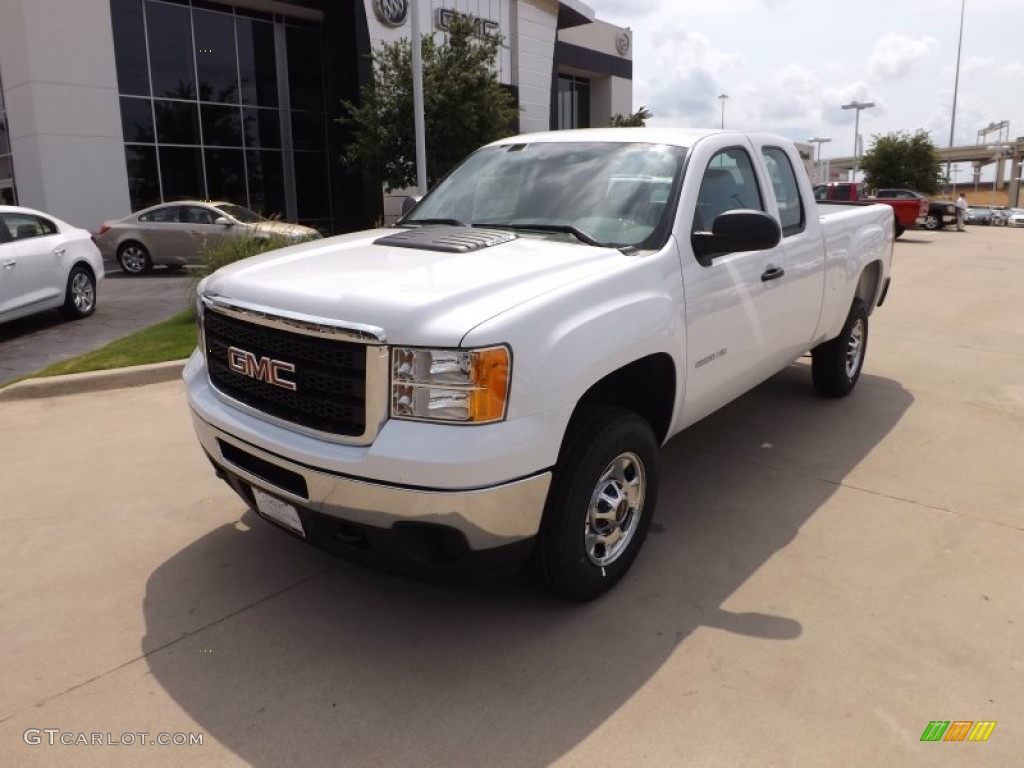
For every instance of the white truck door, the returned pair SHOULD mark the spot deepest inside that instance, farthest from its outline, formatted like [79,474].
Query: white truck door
[735,302]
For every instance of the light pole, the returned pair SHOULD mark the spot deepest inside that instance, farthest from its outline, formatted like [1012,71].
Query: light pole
[956,79]
[857,105]
[819,140]
[722,97]
[419,127]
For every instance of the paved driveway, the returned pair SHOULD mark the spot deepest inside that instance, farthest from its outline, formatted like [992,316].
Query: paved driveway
[125,305]
[824,578]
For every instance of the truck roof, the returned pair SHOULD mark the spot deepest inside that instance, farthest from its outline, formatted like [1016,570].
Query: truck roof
[682,137]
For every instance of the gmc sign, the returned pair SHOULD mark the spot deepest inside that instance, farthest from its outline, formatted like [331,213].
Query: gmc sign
[264,369]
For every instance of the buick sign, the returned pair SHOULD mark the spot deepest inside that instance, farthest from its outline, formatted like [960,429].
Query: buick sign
[393,13]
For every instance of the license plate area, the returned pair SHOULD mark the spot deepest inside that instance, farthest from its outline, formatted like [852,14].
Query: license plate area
[277,511]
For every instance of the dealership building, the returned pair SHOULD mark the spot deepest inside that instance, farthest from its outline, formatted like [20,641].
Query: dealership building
[108,106]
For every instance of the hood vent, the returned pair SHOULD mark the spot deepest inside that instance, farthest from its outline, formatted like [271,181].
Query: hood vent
[446,239]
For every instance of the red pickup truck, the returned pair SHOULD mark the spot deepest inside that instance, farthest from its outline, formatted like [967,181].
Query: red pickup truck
[910,212]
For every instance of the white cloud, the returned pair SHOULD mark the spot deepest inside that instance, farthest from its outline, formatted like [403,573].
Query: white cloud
[686,75]
[1013,70]
[788,66]
[896,56]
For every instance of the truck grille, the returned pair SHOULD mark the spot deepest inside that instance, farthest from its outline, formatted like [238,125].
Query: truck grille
[329,375]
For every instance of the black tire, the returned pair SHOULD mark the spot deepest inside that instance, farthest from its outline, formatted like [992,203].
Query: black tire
[80,294]
[900,229]
[836,364]
[609,454]
[932,222]
[133,258]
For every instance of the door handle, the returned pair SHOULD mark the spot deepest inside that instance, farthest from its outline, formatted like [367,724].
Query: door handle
[59,251]
[10,264]
[772,273]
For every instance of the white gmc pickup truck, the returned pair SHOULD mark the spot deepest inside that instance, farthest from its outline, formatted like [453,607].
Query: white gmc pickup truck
[490,380]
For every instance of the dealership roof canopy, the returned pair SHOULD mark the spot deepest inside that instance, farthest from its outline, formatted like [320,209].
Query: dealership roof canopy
[573,13]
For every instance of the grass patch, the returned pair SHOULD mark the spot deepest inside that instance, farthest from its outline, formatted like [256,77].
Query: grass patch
[173,339]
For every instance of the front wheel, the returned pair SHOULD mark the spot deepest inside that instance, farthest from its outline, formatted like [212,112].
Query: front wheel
[836,364]
[80,295]
[932,222]
[600,505]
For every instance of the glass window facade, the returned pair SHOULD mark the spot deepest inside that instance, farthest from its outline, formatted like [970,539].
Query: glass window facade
[8,192]
[203,88]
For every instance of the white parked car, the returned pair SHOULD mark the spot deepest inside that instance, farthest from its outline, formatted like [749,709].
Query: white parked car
[1016,218]
[45,263]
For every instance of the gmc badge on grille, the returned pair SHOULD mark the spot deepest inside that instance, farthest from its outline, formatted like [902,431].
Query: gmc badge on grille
[261,368]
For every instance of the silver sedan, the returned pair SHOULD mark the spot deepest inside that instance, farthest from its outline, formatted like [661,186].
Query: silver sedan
[178,234]
[45,263]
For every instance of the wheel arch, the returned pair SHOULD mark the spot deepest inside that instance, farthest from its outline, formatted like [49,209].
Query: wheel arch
[82,263]
[646,386]
[130,241]
[869,284]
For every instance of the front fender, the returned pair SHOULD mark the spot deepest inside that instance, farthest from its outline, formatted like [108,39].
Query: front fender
[566,341]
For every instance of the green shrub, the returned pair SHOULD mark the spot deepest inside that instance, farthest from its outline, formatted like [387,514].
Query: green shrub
[232,249]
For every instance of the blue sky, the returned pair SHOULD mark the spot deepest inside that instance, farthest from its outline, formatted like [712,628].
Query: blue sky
[788,65]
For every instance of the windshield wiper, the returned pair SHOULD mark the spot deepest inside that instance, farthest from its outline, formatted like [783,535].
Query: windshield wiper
[451,222]
[579,234]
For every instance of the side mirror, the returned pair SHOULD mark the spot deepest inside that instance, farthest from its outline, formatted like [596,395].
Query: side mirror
[224,221]
[408,203]
[732,231]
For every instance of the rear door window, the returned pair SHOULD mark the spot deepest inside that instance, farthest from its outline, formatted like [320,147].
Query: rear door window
[787,191]
[23,226]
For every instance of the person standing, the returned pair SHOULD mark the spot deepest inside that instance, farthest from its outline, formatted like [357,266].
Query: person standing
[961,212]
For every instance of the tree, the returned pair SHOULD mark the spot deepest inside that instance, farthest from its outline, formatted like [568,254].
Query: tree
[465,106]
[903,160]
[636,120]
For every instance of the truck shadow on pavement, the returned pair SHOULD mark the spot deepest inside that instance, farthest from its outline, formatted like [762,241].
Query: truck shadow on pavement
[287,656]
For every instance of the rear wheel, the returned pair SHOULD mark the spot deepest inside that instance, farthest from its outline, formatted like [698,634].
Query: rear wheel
[600,504]
[900,229]
[133,259]
[836,364]
[80,295]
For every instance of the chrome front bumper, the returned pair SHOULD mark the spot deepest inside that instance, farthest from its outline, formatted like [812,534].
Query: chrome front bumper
[489,518]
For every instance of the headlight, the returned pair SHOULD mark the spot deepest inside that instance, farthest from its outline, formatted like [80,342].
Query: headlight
[453,385]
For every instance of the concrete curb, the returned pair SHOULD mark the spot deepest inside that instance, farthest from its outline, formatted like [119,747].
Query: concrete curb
[93,381]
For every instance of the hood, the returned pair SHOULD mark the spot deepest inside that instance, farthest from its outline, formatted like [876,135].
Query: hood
[418,296]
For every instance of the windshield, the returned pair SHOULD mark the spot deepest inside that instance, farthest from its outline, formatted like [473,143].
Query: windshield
[241,214]
[608,194]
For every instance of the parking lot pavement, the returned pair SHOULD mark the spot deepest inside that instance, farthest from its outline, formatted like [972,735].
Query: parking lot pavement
[822,580]
[124,305]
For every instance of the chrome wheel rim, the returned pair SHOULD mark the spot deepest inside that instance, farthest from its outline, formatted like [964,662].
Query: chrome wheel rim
[133,259]
[855,348]
[615,508]
[83,294]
